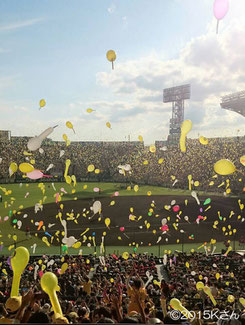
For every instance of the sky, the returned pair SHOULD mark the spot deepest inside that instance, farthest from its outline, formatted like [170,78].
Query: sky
[56,50]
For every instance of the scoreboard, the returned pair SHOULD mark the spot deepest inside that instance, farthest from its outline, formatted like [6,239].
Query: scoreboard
[4,135]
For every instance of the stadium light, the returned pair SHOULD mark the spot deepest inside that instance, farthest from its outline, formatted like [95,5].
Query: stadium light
[234,102]
[176,95]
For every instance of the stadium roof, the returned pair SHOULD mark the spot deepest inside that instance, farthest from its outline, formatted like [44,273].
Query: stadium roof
[234,102]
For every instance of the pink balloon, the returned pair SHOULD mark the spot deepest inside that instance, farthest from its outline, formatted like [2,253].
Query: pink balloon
[96,189]
[176,208]
[35,174]
[116,193]
[57,197]
[40,273]
[164,228]
[221,8]
[122,228]
[5,218]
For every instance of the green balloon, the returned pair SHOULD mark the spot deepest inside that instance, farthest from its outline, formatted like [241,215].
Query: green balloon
[64,248]
[15,221]
[10,213]
[135,249]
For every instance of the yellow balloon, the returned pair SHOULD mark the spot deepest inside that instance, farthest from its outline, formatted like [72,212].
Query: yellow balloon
[107,222]
[77,244]
[49,284]
[186,126]
[176,304]
[136,188]
[91,168]
[108,124]
[64,136]
[42,103]
[224,167]
[68,179]
[70,125]
[13,167]
[231,298]
[242,301]
[200,285]
[208,292]
[152,148]
[160,161]
[242,160]
[125,255]
[217,275]
[18,263]
[140,138]
[26,168]
[90,110]
[203,140]
[64,267]
[111,55]
[187,265]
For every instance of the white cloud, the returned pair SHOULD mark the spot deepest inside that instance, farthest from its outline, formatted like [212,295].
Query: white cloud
[19,24]
[213,64]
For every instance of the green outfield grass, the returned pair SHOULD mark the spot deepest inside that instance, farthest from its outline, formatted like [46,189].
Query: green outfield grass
[17,198]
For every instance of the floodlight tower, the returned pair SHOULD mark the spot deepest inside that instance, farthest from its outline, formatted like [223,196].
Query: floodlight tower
[176,95]
[234,102]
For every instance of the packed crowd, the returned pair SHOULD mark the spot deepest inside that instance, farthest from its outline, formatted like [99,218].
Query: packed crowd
[173,169]
[134,290]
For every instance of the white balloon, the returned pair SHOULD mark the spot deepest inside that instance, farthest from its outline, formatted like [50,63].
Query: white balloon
[36,142]
[159,239]
[96,207]
[62,152]
[19,224]
[164,221]
[70,241]
[194,194]
[50,263]
[127,167]
[41,151]
[173,202]
[49,167]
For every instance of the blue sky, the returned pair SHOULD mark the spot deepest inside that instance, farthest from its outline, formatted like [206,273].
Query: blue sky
[56,50]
